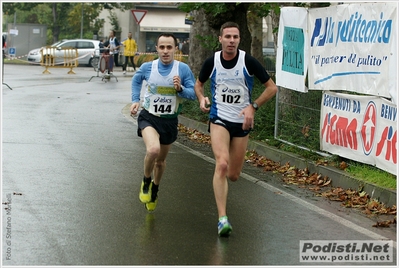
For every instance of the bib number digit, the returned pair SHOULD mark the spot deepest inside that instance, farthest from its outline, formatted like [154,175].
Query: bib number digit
[230,98]
[163,109]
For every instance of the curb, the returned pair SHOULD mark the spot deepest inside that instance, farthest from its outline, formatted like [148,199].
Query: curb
[337,176]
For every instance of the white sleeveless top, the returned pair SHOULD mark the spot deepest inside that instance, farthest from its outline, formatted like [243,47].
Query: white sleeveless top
[231,93]
[112,46]
[161,98]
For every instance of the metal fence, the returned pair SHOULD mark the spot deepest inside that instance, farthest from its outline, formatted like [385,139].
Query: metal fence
[297,114]
[297,118]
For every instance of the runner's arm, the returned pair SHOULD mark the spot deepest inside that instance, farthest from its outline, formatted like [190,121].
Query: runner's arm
[187,82]
[137,81]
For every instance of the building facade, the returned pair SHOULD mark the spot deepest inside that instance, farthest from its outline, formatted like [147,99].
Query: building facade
[158,18]
[23,37]
[161,17]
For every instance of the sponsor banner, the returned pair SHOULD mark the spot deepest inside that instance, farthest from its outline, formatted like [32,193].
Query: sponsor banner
[346,251]
[292,52]
[361,128]
[354,47]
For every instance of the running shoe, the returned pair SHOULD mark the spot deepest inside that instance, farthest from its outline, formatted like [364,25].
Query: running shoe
[224,226]
[145,191]
[150,206]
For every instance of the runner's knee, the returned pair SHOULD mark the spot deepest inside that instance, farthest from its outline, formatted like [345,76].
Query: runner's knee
[233,177]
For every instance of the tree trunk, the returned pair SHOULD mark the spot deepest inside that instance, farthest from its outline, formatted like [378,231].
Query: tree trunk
[198,53]
[255,27]
[239,15]
[207,24]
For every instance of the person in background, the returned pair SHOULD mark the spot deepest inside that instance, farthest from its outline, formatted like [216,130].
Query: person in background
[130,49]
[101,46]
[232,110]
[180,44]
[186,47]
[4,46]
[113,45]
[171,81]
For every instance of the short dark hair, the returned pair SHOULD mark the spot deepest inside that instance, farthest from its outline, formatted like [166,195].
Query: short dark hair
[167,35]
[228,24]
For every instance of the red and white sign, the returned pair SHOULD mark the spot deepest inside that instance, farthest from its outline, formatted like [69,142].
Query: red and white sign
[138,14]
[361,128]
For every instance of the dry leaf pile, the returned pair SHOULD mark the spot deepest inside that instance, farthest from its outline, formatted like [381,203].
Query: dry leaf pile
[194,134]
[321,185]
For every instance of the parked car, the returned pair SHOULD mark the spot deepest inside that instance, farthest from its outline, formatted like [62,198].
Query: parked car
[86,48]
[268,51]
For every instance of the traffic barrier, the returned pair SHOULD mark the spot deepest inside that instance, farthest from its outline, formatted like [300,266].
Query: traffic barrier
[51,56]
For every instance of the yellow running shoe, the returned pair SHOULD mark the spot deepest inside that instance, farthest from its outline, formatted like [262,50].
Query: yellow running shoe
[150,206]
[145,192]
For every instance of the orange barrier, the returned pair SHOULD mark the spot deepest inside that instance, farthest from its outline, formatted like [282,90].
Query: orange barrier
[53,57]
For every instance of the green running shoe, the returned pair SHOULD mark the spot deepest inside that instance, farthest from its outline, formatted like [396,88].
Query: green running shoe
[145,192]
[224,226]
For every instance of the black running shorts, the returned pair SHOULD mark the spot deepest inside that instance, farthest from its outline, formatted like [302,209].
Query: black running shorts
[166,127]
[235,129]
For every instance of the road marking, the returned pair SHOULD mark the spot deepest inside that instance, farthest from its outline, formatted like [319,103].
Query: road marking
[297,200]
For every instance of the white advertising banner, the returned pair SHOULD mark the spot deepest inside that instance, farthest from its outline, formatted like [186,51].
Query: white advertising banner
[353,47]
[292,46]
[361,128]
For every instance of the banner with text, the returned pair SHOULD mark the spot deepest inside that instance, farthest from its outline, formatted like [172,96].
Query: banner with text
[354,47]
[292,49]
[361,128]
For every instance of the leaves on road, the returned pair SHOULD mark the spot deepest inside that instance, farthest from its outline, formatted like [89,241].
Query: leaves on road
[317,183]
[194,134]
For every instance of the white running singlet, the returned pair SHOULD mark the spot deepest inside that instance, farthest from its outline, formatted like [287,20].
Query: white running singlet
[161,98]
[229,89]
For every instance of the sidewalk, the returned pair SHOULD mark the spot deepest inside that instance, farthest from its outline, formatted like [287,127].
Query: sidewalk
[337,176]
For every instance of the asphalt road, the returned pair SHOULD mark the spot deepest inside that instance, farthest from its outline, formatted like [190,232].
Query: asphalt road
[71,172]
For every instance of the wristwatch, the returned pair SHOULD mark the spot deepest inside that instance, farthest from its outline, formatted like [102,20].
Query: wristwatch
[255,105]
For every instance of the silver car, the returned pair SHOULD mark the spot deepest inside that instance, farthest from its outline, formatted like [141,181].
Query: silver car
[86,48]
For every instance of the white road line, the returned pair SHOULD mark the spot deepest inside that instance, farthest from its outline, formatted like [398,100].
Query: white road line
[297,200]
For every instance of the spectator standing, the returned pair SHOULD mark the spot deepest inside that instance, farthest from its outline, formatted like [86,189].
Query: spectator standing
[186,47]
[180,44]
[101,46]
[130,49]
[113,45]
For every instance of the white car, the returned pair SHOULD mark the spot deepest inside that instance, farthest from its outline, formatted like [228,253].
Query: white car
[86,48]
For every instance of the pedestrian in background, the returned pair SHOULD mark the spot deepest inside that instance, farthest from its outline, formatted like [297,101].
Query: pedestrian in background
[186,47]
[4,45]
[232,111]
[101,46]
[130,50]
[170,81]
[113,45]
[180,44]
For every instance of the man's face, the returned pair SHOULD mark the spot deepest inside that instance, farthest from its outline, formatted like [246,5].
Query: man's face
[129,35]
[230,40]
[166,49]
